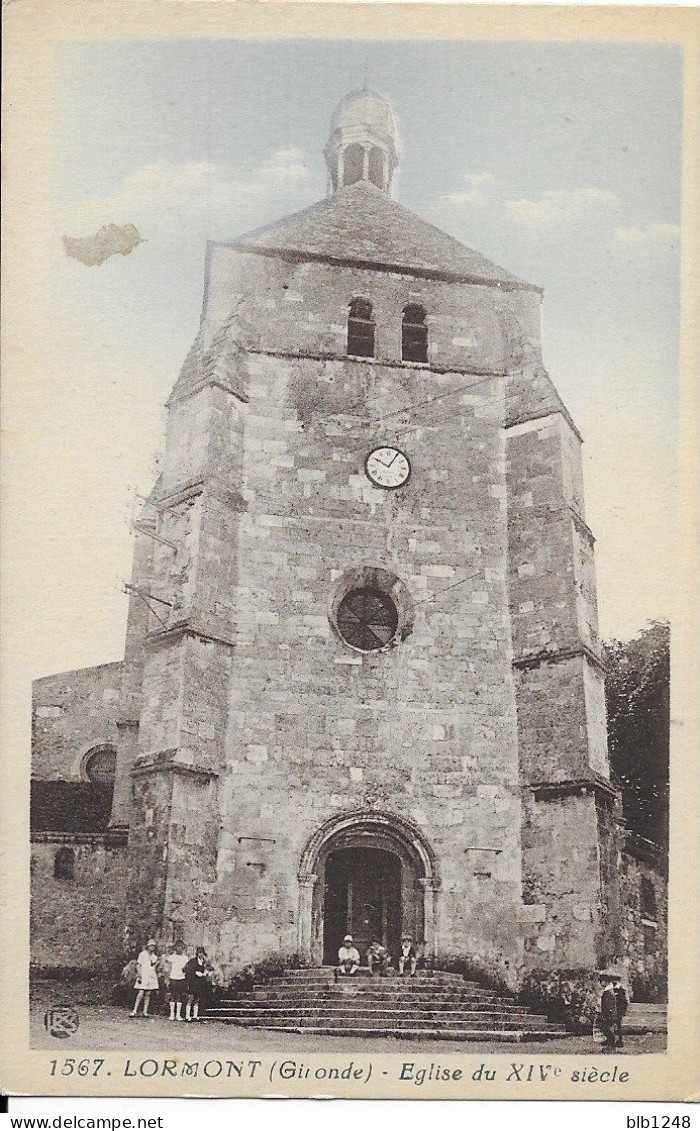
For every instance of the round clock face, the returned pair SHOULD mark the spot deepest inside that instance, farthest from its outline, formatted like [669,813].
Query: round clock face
[387,467]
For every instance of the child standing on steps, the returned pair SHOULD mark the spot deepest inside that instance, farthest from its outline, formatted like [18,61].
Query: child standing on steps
[177,961]
[407,956]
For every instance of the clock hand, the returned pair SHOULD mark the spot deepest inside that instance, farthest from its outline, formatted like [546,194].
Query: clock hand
[381,461]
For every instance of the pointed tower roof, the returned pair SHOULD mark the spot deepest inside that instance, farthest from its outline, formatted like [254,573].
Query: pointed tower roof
[361,224]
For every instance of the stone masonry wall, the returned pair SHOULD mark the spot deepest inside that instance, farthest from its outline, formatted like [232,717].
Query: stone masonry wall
[425,730]
[303,307]
[78,922]
[149,835]
[132,669]
[562,880]
[645,935]
[559,690]
[72,712]
[271,423]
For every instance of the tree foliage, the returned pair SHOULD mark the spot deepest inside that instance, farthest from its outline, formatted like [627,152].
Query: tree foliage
[637,694]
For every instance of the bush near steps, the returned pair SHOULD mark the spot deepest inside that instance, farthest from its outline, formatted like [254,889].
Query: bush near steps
[570,997]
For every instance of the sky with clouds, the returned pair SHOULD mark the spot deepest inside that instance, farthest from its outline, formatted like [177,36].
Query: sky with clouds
[560,162]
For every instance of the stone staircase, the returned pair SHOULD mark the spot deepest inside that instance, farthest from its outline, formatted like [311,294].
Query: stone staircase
[432,1005]
[643,1018]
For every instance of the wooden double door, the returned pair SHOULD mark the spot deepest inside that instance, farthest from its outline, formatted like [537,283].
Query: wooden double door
[362,898]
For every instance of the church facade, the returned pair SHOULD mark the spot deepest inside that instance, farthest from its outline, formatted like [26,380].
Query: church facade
[362,688]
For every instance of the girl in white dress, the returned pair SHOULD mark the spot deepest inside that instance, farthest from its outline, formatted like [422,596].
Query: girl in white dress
[147,977]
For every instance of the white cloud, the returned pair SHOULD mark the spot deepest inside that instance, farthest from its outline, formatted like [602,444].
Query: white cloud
[468,198]
[555,212]
[480,179]
[161,183]
[480,187]
[651,235]
[197,187]
[569,217]
[285,164]
[557,208]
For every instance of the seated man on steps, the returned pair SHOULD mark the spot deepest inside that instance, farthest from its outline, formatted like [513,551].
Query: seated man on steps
[378,959]
[348,957]
[407,956]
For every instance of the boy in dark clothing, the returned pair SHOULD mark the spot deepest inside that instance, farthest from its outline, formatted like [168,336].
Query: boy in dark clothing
[608,1011]
[407,956]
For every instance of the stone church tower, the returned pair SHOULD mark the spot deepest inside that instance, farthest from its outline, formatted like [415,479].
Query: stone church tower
[362,687]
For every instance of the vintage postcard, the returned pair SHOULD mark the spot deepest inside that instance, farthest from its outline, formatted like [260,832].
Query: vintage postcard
[350,698]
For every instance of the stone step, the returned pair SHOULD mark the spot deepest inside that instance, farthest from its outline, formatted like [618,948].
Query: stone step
[364,978]
[388,1023]
[357,980]
[357,1008]
[429,1006]
[444,1033]
[343,994]
[343,1006]
[386,1017]
[646,1018]
[363,972]
[328,973]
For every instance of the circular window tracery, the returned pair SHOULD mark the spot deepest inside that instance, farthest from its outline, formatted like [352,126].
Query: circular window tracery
[367,618]
[100,766]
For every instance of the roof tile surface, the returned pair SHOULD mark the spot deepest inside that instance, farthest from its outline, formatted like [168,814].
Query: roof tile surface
[363,224]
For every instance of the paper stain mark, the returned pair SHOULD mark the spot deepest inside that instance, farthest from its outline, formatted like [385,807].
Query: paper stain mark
[112,239]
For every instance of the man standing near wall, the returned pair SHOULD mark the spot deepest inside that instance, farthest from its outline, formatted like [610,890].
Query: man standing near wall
[620,1009]
[608,1011]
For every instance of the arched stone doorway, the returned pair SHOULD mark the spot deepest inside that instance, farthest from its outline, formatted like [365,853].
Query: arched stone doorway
[372,875]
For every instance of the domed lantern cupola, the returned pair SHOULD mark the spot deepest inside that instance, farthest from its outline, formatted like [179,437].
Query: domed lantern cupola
[362,143]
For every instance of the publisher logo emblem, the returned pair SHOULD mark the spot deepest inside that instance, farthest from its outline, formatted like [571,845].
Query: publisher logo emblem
[61,1021]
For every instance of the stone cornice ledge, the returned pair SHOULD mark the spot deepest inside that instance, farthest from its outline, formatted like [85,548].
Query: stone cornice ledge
[546,791]
[526,417]
[176,631]
[304,255]
[640,848]
[190,390]
[544,657]
[181,494]
[164,762]
[111,838]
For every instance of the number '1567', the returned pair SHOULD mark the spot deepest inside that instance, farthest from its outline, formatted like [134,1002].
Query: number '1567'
[69,1066]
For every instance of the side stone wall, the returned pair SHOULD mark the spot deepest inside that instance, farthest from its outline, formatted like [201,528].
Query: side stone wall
[645,919]
[78,921]
[72,712]
[567,839]
[562,878]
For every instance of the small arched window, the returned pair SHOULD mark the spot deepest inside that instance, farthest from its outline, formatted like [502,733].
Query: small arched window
[360,328]
[376,167]
[64,864]
[353,164]
[414,335]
